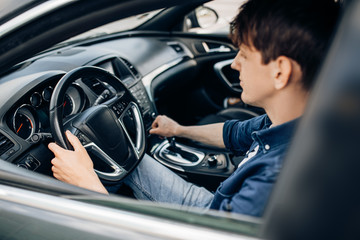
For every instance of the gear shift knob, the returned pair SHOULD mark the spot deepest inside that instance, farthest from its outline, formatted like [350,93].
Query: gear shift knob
[172,142]
[177,150]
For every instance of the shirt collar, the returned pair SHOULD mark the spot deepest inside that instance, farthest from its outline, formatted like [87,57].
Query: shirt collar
[269,138]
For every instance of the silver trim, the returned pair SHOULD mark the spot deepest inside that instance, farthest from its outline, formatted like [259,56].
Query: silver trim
[222,48]
[147,79]
[111,217]
[139,146]
[32,14]
[178,159]
[118,172]
[175,162]
[205,46]
[218,70]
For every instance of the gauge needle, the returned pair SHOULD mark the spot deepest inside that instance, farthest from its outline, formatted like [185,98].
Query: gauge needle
[19,128]
[64,104]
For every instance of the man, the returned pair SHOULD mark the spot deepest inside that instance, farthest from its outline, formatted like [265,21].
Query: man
[281,46]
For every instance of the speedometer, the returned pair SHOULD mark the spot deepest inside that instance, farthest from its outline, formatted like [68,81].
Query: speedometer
[23,123]
[68,106]
[74,101]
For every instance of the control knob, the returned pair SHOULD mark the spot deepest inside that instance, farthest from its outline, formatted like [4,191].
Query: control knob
[212,160]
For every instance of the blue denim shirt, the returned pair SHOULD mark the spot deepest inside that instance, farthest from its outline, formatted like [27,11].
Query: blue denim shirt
[248,189]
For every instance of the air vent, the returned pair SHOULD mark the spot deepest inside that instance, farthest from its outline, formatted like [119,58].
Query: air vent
[123,71]
[131,67]
[5,144]
[94,85]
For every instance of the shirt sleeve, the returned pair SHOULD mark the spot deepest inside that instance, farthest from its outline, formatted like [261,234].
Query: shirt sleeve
[237,134]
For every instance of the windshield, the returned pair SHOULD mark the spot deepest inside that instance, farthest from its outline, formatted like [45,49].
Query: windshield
[117,26]
[11,7]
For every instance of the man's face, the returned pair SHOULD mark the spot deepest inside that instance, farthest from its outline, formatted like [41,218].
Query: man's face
[255,77]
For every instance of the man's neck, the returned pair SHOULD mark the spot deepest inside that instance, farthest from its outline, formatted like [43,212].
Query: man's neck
[286,107]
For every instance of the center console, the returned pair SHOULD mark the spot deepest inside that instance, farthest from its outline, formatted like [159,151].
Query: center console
[148,110]
[203,166]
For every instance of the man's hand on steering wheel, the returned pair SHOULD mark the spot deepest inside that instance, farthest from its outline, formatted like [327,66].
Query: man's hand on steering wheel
[112,131]
[75,167]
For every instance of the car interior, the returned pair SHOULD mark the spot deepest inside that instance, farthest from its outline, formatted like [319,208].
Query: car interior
[184,75]
[115,84]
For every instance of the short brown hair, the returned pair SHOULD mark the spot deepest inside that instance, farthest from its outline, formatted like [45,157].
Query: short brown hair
[298,29]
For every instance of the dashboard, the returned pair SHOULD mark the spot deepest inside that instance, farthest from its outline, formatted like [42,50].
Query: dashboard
[25,92]
[30,116]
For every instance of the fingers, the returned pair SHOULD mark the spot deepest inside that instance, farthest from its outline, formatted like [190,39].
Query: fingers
[55,165]
[56,149]
[153,131]
[55,169]
[74,141]
[155,123]
[57,176]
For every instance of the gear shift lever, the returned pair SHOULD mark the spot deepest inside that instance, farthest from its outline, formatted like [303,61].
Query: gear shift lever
[186,155]
[172,142]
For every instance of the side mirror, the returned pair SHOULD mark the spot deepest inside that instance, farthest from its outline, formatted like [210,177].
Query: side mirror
[201,17]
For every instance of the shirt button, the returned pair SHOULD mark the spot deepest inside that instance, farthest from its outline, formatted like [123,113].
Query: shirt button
[267,147]
[228,207]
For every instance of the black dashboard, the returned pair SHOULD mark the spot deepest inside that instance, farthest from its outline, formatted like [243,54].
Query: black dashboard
[25,92]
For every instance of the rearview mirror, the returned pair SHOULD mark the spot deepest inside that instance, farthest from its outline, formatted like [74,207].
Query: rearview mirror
[201,17]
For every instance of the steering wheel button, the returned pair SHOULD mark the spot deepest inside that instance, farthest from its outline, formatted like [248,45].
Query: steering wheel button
[120,106]
[82,138]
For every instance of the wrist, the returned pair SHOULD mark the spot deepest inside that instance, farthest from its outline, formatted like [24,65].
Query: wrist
[93,183]
[179,131]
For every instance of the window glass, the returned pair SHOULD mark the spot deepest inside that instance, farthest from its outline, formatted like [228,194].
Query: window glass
[117,26]
[9,6]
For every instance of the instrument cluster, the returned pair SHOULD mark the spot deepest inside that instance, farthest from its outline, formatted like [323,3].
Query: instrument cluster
[31,115]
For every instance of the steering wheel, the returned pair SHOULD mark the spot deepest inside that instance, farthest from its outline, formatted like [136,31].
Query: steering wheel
[113,132]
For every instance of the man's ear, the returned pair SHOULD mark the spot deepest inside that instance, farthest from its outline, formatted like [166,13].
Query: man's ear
[282,69]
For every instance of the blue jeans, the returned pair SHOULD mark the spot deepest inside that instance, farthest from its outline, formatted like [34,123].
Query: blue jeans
[153,181]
